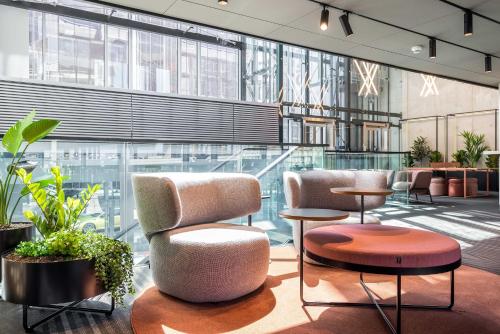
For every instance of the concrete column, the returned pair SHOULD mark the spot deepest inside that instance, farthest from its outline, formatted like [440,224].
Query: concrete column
[14,43]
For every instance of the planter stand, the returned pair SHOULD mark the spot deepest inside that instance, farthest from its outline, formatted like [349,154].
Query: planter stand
[60,309]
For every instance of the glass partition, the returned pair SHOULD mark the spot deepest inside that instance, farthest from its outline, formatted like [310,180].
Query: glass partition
[112,164]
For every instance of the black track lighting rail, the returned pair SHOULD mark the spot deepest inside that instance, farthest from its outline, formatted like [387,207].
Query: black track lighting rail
[322,4]
[467,9]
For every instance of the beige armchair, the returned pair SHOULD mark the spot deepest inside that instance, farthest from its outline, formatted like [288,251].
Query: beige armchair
[194,255]
[311,189]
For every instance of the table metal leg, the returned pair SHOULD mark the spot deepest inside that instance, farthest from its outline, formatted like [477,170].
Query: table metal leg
[379,306]
[301,264]
[465,183]
[362,209]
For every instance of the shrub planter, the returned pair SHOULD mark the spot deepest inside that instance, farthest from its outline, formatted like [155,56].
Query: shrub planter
[44,281]
[11,236]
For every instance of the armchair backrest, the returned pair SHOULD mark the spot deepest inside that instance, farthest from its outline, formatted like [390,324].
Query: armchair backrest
[165,201]
[421,179]
[311,189]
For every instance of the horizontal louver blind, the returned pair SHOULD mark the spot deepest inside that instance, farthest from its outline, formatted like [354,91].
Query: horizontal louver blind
[84,113]
[93,113]
[178,119]
[256,123]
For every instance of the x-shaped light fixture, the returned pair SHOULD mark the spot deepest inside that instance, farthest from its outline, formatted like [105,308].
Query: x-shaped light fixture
[429,87]
[367,73]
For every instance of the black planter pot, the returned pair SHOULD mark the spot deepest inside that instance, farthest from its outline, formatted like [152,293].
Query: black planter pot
[39,284]
[11,237]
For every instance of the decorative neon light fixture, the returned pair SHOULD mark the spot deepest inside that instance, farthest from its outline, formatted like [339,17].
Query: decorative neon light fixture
[429,87]
[367,72]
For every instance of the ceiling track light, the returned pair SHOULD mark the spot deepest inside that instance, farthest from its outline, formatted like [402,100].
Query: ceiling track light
[432,48]
[325,15]
[222,2]
[346,26]
[468,23]
[487,64]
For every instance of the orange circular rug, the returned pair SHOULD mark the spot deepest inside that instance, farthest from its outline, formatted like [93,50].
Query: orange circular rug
[276,307]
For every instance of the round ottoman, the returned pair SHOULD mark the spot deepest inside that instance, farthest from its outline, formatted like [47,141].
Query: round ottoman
[387,250]
[210,262]
[383,249]
[438,186]
[456,187]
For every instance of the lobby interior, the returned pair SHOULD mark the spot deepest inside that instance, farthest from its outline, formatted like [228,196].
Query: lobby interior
[285,166]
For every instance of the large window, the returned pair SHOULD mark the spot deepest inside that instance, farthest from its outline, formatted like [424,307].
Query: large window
[64,49]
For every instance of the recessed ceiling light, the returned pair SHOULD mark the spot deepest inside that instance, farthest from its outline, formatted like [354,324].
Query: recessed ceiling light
[222,2]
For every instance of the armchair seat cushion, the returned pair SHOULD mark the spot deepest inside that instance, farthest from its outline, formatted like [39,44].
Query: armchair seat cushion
[401,186]
[210,262]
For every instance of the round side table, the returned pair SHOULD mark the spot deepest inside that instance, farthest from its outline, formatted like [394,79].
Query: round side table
[362,192]
[315,215]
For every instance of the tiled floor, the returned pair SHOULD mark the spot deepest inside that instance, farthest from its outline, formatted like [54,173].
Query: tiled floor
[475,223]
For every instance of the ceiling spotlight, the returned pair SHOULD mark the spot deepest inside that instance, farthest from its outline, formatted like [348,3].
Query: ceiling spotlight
[416,49]
[487,64]
[468,26]
[346,26]
[432,48]
[222,2]
[323,23]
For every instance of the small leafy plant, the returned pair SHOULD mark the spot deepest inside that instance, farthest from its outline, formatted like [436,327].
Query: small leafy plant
[57,211]
[475,145]
[492,161]
[436,156]
[420,149]
[460,156]
[16,141]
[57,221]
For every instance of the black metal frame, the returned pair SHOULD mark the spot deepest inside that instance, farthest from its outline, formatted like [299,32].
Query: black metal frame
[60,309]
[377,270]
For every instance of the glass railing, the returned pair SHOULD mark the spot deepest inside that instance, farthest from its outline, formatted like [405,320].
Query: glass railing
[365,160]
[111,164]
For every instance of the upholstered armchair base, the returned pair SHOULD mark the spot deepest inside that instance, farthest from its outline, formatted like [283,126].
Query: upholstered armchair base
[210,262]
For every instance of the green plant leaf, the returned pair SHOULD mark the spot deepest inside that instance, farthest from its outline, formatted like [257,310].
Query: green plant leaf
[13,138]
[39,129]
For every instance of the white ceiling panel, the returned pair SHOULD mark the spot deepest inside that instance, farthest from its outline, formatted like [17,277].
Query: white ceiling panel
[154,6]
[225,19]
[297,22]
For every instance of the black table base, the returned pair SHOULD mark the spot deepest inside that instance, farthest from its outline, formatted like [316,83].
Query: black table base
[398,272]
[60,309]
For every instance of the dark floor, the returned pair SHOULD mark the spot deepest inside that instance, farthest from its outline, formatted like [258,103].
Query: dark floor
[474,223]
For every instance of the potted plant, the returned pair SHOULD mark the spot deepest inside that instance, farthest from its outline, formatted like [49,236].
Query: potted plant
[420,150]
[460,156]
[16,141]
[436,156]
[475,145]
[492,161]
[66,265]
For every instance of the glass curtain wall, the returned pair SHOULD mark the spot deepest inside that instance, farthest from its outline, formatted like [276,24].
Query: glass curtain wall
[359,98]
[64,49]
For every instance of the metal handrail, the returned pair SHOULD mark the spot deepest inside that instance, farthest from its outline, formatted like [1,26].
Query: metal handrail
[276,162]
